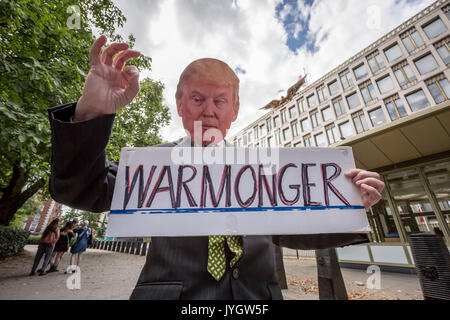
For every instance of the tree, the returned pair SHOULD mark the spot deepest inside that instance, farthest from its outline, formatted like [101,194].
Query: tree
[43,63]
[32,207]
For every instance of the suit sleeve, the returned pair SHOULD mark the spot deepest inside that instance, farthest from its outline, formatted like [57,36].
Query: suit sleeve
[81,177]
[319,241]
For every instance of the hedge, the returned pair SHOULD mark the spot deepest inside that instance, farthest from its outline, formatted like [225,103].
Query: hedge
[34,239]
[12,241]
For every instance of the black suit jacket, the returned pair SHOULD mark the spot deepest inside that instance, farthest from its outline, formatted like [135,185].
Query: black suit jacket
[82,177]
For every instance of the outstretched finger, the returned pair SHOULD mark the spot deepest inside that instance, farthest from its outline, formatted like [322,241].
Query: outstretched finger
[111,50]
[94,53]
[123,57]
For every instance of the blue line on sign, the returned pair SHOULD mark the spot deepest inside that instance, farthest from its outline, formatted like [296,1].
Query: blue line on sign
[252,209]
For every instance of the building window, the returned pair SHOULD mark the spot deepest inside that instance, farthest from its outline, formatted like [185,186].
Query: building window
[377,117]
[301,105]
[240,142]
[305,125]
[412,40]
[320,140]
[346,79]
[333,87]
[353,101]
[426,64]
[446,10]
[298,144]
[338,106]
[327,114]
[403,73]
[322,94]
[262,130]
[345,130]
[395,107]
[385,84]
[294,127]
[293,112]
[269,125]
[439,88]
[359,120]
[283,116]
[367,91]
[250,136]
[263,143]
[443,49]
[375,61]
[286,134]
[434,29]
[393,53]
[311,101]
[276,121]
[308,141]
[270,142]
[315,119]
[360,72]
[332,134]
[417,100]
[277,138]
[245,139]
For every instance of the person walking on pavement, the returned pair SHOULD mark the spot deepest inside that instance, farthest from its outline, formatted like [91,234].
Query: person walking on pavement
[62,245]
[48,240]
[81,243]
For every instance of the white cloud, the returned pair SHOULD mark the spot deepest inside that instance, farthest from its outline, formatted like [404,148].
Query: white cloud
[247,34]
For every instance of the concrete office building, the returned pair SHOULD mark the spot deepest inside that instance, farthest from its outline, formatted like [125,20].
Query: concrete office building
[390,103]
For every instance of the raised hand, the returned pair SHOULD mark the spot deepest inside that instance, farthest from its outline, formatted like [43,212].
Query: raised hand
[108,88]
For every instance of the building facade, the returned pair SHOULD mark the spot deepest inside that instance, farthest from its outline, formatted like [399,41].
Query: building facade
[390,103]
[38,223]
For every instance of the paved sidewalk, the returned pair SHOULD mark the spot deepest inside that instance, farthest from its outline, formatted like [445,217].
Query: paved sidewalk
[110,275]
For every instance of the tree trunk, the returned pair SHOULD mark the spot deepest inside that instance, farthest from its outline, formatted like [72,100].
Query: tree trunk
[13,197]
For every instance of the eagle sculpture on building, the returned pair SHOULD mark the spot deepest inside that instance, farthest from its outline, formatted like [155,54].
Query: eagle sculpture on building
[275,104]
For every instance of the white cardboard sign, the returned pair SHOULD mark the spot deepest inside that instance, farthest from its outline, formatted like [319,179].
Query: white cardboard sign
[235,191]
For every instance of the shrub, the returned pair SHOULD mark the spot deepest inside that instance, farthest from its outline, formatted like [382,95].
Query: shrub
[34,239]
[12,241]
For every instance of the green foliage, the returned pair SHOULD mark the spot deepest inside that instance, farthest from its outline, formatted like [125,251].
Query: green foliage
[43,63]
[137,125]
[34,239]
[94,219]
[32,207]
[12,241]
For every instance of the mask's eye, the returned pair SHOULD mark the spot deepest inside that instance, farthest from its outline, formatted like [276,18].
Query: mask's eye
[220,102]
[197,100]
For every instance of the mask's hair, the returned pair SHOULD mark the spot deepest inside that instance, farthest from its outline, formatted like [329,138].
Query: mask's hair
[209,69]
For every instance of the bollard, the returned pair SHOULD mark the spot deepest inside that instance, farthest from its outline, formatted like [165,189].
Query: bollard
[144,249]
[103,245]
[114,246]
[119,246]
[432,261]
[133,244]
[109,245]
[127,249]
[97,244]
[122,246]
[331,283]
[138,248]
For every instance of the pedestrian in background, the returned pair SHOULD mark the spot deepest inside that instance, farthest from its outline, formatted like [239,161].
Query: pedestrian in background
[62,245]
[48,240]
[81,243]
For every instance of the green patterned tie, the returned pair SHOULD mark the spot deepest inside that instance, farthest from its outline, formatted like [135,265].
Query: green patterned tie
[216,254]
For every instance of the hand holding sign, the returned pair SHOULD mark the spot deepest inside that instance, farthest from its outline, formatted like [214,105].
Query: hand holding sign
[369,184]
[108,88]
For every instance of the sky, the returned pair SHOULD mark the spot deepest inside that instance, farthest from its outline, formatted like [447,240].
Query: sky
[268,43]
